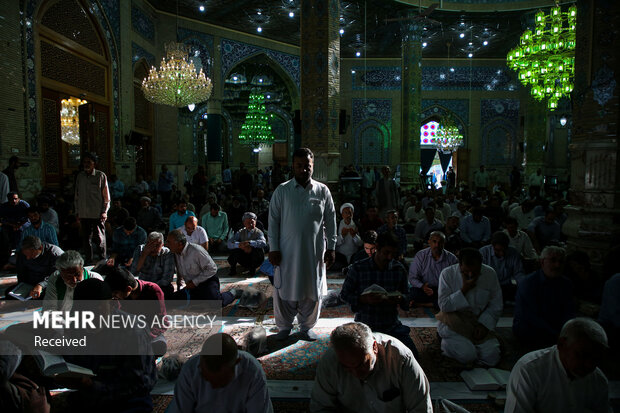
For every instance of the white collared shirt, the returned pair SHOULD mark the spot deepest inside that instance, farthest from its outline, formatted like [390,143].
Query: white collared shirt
[195,264]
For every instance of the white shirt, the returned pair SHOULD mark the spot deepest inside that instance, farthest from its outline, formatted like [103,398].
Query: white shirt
[348,245]
[199,236]
[301,221]
[484,300]
[536,180]
[396,371]
[523,219]
[539,383]
[412,214]
[246,393]
[523,244]
[194,264]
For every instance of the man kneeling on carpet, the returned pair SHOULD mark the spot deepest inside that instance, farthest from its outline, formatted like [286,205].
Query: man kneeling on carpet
[470,300]
[221,379]
[564,377]
[376,286]
[364,372]
[247,246]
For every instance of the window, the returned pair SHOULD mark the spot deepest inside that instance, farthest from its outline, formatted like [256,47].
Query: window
[428,133]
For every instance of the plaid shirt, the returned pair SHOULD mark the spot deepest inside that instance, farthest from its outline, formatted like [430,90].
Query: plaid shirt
[123,245]
[363,274]
[156,268]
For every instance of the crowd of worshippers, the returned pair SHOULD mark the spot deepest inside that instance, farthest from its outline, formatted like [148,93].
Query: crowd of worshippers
[472,253]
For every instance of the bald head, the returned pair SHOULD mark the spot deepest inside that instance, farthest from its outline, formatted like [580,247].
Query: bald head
[190,224]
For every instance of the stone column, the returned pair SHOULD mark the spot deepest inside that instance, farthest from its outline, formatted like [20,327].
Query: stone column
[214,138]
[594,214]
[411,31]
[320,83]
[535,135]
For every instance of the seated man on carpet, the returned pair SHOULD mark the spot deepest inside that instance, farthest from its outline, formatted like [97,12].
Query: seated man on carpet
[121,359]
[194,233]
[38,228]
[247,246]
[391,225]
[545,230]
[178,218]
[124,242]
[379,310]
[470,300]
[348,242]
[155,263]
[564,377]
[369,240]
[35,262]
[125,287]
[61,284]
[426,267]
[426,226]
[544,302]
[519,240]
[365,372]
[216,225]
[148,216]
[221,379]
[475,229]
[506,262]
[196,271]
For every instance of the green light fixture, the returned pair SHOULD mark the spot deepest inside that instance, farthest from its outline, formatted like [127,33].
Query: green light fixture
[256,130]
[449,137]
[545,57]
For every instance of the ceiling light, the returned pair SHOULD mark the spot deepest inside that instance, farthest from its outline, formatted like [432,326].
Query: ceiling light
[191,107]
[563,121]
[341,31]
[470,43]
[291,14]
[352,71]
[452,69]
[358,54]
[462,35]
[470,55]
[424,44]
[485,43]
[201,8]
[259,29]
[259,12]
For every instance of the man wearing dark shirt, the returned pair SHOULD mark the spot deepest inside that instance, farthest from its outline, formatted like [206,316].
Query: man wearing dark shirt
[13,217]
[35,262]
[544,302]
[149,217]
[380,311]
[391,224]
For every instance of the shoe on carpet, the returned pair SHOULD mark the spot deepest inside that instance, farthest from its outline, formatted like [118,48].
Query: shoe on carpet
[308,335]
[282,335]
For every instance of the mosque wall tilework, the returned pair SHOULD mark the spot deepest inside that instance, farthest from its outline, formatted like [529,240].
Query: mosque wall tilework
[142,23]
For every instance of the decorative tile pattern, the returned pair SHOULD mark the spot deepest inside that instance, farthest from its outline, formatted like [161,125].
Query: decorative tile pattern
[142,24]
[138,52]
[459,107]
[229,126]
[201,48]
[500,123]
[233,52]
[436,78]
[372,120]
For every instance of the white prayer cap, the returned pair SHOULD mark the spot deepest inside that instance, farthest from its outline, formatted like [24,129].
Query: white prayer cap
[347,205]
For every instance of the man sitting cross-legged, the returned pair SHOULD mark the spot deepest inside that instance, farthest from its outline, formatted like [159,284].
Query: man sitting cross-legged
[155,263]
[125,287]
[426,267]
[196,271]
[470,300]
[216,225]
[194,233]
[391,225]
[562,378]
[35,262]
[380,311]
[221,379]
[124,242]
[247,246]
[365,372]
[506,262]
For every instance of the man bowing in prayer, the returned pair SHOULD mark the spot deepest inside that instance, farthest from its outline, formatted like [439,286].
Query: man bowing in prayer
[302,218]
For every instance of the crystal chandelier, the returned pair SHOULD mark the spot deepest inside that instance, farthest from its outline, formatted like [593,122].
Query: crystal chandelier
[449,137]
[256,130]
[70,120]
[545,58]
[176,83]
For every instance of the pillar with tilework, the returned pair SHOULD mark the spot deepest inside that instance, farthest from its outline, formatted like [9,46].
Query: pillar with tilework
[535,135]
[320,85]
[593,223]
[215,151]
[411,31]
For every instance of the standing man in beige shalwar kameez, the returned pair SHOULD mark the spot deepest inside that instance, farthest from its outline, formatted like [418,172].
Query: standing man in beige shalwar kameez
[302,220]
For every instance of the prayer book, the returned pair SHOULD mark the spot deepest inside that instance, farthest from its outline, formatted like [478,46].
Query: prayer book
[52,365]
[377,289]
[22,292]
[485,379]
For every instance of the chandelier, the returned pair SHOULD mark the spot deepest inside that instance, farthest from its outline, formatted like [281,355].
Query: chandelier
[256,130]
[176,82]
[545,58]
[70,120]
[449,137]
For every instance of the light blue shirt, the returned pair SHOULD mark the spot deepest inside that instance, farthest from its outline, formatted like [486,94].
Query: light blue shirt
[425,269]
[472,231]
[508,267]
[247,392]
[177,220]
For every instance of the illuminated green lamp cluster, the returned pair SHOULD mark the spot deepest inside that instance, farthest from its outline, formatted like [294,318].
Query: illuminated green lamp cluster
[449,137]
[256,130]
[545,58]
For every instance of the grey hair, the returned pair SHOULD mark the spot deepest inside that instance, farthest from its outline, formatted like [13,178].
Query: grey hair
[553,250]
[178,236]
[584,328]
[437,234]
[156,236]
[31,242]
[70,259]
[353,336]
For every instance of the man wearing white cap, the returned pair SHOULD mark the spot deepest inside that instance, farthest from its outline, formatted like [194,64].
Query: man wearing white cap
[348,241]
[247,246]
[302,219]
